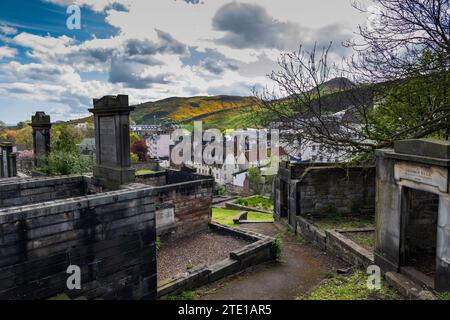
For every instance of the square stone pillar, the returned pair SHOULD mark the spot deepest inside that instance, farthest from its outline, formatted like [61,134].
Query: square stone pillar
[112,140]
[7,160]
[442,281]
[41,125]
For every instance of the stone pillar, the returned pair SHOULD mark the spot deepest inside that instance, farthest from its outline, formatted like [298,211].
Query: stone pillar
[112,140]
[442,281]
[387,216]
[7,160]
[41,125]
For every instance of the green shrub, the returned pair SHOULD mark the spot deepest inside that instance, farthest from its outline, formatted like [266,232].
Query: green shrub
[277,248]
[134,157]
[221,191]
[63,163]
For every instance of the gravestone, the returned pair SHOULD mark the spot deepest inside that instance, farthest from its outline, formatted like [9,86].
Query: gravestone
[112,140]
[412,168]
[41,125]
[8,167]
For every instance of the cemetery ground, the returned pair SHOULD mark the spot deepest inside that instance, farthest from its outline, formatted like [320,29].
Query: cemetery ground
[303,272]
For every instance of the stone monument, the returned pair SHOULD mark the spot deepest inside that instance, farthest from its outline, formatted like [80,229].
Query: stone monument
[41,125]
[112,140]
[413,211]
[8,166]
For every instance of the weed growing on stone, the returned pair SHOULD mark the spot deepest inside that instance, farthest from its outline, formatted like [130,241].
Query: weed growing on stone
[277,248]
[353,287]
[444,296]
[185,295]
[158,243]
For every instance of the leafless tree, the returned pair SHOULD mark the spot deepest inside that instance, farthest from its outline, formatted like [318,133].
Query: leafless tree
[406,41]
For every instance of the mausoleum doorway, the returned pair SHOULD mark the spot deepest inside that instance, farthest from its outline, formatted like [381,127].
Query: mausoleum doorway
[419,233]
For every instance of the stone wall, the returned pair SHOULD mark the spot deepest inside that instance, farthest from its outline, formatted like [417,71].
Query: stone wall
[15,191]
[153,179]
[301,189]
[147,165]
[345,190]
[110,236]
[183,202]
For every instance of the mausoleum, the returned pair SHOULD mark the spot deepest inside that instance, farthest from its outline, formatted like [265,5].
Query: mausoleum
[413,211]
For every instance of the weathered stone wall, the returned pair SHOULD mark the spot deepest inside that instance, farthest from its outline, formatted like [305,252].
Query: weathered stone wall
[15,191]
[183,201]
[153,179]
[301,189]
[345,190]
[147,165]
[110,236]
[191,203]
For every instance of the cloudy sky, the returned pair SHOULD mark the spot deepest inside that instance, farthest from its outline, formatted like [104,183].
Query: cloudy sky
[152,49]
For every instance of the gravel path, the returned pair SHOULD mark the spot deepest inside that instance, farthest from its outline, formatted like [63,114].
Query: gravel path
[199,249]
[302,268]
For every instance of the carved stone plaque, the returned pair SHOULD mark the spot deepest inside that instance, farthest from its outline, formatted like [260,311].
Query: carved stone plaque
[165,217]
[429,175]
[40,143]
[108,153]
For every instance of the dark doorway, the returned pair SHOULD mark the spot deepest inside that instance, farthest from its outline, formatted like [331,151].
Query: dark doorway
[419,228]
[284,204]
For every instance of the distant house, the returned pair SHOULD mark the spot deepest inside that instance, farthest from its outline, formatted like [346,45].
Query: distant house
[87,146]
[81,126]
[159,145]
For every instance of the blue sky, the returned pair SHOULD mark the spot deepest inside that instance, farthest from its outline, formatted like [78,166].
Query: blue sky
[152,49]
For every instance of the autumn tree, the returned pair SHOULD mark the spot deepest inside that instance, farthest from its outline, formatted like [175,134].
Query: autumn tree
[140,148]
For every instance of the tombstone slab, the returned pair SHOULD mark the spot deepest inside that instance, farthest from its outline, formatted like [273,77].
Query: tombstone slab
[41,125]
[8,166]
[112,140]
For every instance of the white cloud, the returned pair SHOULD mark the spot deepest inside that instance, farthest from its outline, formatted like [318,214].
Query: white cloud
[7,52]
[148,57]
[7,30]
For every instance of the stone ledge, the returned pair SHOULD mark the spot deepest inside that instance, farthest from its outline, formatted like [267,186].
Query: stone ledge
[311,233]
[234,206]
[334,242]
[348,250]
[407,287]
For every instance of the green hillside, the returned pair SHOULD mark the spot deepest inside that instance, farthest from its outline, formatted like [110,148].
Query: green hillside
[216,111]
[224,112]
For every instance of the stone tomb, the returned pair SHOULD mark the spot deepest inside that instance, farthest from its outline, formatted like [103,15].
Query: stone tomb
[8,166]
[112,140]
[413,211]
[41,125]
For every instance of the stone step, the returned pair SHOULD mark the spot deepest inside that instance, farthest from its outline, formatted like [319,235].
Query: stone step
[407,287]
[255,221]
[418,277]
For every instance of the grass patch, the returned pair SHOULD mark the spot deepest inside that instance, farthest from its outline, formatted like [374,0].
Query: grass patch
[226,216]
[258,202]
[364,239]
[143,171]
[353,287]
[185,295]
[343,223]
[444,296]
